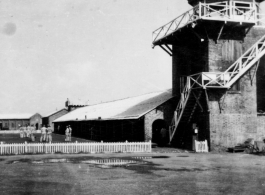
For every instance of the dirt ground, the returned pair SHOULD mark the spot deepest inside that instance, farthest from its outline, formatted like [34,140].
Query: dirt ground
[165,171]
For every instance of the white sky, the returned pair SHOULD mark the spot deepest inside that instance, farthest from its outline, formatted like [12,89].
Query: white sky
[96,50]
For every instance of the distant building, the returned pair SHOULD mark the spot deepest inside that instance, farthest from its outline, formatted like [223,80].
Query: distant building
[69,106]
[49,118]
[15,121]
[139,118]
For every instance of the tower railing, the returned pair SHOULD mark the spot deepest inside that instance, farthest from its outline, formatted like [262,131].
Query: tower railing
[232,11]
[175,24]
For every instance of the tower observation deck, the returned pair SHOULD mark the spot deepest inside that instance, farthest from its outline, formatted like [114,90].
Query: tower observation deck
[220,17]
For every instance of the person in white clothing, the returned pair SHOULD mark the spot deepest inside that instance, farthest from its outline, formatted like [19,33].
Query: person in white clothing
[49,133]
[21,131]
[43,134]
[28,131]
[70,133]
[67,134]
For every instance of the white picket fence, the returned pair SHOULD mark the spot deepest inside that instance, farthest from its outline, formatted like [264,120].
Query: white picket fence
[15,131]
[75,147]
[201,146]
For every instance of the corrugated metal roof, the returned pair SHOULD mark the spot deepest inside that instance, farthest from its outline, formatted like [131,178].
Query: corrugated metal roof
[16,116]
[54,112]
[129,108]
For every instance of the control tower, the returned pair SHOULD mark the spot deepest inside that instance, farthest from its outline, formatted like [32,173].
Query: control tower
[217,50]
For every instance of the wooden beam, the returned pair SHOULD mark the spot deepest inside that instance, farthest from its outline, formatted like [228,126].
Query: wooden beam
[197,100]
[165,50]
[168,48]
[255,71]
[207,99]
[221,104]
[220,32]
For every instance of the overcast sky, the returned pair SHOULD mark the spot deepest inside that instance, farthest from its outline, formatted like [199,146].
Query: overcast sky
[92,50]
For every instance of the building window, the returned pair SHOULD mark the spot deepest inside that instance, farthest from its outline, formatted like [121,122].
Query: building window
[231,51]
[12,125]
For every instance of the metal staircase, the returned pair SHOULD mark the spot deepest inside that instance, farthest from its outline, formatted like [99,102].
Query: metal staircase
[215,80]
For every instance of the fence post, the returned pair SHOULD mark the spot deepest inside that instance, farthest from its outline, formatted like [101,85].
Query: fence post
[26,147]
[150,146]
[76,147]
[1,147]
[44,148]
[126,145]
[206,146]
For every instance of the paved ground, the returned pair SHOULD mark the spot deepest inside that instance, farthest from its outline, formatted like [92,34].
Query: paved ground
[15,138]
[165,171]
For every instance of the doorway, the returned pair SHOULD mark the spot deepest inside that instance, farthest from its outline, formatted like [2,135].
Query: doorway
[159,137]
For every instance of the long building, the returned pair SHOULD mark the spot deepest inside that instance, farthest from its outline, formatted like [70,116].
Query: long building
[139,118]
[15,121]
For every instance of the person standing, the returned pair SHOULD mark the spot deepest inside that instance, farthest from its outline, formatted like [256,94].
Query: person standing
[28,130]
[163,133]
[32,133]
[25,130]
[70,133]
[21,132]
[67,134]
[43,134]
[195,131]
[49,134]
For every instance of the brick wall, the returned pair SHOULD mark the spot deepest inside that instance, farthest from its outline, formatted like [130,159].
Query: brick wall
[233,116]
[148,121]
[164,112]
[260,127]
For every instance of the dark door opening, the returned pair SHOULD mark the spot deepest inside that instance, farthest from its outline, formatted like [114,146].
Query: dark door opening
[159,132]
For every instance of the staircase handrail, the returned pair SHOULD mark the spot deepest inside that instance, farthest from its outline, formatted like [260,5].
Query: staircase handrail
[239,67]
[180,108]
